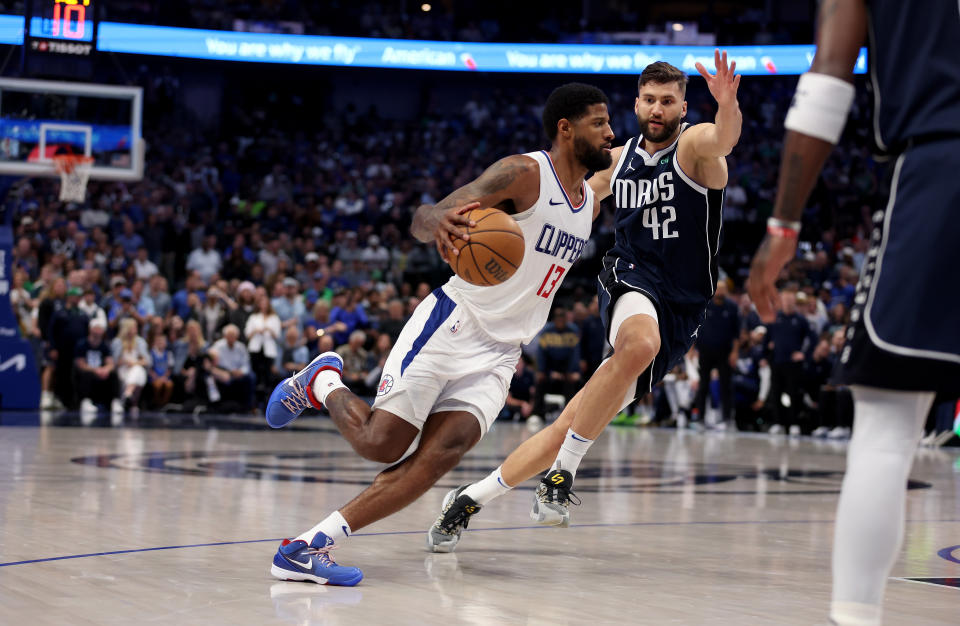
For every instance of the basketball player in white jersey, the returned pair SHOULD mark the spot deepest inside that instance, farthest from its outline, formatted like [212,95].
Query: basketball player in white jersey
[447,377]
[656,283]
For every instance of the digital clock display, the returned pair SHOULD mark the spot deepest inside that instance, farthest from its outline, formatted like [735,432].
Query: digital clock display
[63,20]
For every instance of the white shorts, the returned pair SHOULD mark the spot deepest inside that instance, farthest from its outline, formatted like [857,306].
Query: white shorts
[444,361]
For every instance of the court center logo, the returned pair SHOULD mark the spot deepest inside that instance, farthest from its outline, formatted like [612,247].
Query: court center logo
[386,384]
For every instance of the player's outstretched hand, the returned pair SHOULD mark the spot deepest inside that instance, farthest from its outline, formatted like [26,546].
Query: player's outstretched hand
[774,253]
[723,86]
[448,227]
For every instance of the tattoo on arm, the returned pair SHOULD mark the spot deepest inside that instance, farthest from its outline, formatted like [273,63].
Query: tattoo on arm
[495,179]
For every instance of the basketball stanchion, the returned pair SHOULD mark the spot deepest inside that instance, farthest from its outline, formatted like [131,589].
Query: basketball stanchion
[74,170]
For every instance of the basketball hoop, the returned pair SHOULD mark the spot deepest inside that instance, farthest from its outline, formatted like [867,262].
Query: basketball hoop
[74,170]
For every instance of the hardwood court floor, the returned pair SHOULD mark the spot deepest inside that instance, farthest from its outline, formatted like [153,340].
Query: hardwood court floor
[179,525]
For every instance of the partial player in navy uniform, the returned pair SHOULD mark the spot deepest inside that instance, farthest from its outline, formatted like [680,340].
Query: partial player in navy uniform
[668,186]
[903,345]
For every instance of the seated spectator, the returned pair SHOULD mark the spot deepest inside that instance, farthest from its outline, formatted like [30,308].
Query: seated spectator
[132,357]
[231,370]
[351,313]
[161,371]
[144,268]
[558,359]
[180,300]
[293,355]
[159,294]
[206,260]
[67,327]
[95,377]
[522,394]
[192,378]
[246,300]
[395,319]
[356,363]
[289,307]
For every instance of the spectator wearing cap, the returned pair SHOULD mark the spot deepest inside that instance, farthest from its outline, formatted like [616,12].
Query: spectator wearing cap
[231,369]
[112,298]
[67,327]
[311,265]
[375,256]
[88,304]
[143,267]
[289,306]
[94,371]
[206,260]
[246,300]
[124,308]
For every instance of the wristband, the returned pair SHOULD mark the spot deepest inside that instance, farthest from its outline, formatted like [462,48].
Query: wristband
[820,106]
[783,228]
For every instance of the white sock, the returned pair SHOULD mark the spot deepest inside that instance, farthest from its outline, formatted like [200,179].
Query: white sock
[334,527]
[855,614]
[325,383]
[493,486]
[870,515]
[571,452]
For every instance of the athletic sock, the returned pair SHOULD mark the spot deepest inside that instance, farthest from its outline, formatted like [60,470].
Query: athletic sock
[334,527]
[493,486]
[325,383]
[571,453]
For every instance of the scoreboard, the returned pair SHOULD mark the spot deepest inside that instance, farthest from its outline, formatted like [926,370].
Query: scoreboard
[62,27]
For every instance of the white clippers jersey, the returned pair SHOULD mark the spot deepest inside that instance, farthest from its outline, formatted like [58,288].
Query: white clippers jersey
[554,232]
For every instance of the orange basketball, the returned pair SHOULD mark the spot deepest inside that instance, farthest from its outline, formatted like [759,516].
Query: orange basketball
[494,251]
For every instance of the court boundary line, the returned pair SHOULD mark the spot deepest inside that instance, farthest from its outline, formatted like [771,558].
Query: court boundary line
[471,530]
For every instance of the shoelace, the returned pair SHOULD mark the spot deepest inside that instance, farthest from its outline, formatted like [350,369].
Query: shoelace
[449,526]
[323,554]
[297,401]
[565,495]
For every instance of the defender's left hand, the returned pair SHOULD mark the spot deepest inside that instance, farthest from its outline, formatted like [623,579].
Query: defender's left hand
[723,86]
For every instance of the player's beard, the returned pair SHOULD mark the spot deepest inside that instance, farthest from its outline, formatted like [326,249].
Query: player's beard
[669,127]
[594,159]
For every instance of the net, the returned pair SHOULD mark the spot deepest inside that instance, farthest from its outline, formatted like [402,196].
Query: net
[74,170]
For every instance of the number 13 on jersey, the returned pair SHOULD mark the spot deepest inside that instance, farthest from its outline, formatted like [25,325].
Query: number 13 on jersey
[555,272]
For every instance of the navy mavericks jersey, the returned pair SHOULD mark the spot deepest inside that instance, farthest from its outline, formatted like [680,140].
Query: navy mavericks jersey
[914,56]
[667,226]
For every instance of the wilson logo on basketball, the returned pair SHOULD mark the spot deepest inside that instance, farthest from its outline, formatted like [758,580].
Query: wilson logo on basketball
[499,274]
[386,384]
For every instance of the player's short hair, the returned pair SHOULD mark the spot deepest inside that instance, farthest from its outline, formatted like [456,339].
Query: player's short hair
[569,102]
[662,73]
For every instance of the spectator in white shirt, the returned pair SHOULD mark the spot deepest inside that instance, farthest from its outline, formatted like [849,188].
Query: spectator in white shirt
[143,266]
[262,331]
[206,260]
[231,369]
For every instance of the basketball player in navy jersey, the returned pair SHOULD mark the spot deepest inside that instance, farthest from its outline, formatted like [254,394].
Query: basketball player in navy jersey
[446,379]
[903,343]
[657,280]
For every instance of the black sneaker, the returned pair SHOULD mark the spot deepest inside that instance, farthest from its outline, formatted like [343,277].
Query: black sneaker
[454,517]
[552,498]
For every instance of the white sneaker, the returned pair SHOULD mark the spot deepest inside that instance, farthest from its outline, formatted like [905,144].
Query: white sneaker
[820,431]
[88,412]
[534,422]
[839,432]
[794,430]
[776,429]
[116,407]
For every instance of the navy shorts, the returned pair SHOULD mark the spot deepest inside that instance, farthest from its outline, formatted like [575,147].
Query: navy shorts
[678,323]
[905,324]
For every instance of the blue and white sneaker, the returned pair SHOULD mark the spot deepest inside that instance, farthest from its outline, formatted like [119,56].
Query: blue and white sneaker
[295,394]
[295,560]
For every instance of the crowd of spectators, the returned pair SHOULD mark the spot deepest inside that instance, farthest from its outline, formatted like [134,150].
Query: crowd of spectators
[742,21]
[239,257]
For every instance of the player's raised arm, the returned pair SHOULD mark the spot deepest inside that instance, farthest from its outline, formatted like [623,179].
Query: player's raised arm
[718,139]
[506,184]
[814,124]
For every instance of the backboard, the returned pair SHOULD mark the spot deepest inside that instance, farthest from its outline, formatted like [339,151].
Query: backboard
[40,118]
